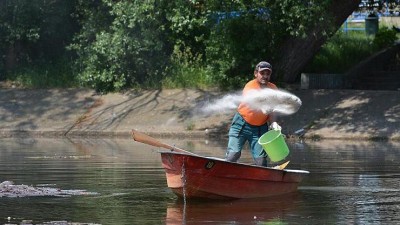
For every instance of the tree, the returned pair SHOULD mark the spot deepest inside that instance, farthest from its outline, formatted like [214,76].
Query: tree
[124,43]
[127,43]
[296,52]
[34,30]
[18,26]
[287,33]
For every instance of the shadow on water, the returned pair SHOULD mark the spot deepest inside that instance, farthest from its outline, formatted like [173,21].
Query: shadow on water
[349,183]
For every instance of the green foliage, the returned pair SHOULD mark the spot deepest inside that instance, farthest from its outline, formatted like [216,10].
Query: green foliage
[187,71]
[120,44]
[55,75]
[33,35]
[296,18]
[124,44]
[344,50]
[385,37]
[234,48]
[129,43]
[256,33]
[35,30]
[20,21]
[341,52]
[187,23]
[134,42]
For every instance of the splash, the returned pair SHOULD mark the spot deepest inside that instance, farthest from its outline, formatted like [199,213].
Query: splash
[265,100]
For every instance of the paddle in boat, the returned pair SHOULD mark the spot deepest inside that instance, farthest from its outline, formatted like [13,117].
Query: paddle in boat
[194,176]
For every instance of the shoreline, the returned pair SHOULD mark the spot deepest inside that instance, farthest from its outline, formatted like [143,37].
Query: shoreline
[57,113]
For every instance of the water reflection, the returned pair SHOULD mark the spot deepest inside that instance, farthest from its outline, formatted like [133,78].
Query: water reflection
[356,180]
[125,175]
[349,183]
[244,211]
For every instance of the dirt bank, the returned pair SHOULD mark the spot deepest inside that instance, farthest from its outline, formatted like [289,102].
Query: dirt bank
[330,114]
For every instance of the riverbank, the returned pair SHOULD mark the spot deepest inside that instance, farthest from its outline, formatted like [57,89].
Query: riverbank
[325,114]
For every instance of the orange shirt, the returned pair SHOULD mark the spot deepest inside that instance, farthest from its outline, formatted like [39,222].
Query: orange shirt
[252,116]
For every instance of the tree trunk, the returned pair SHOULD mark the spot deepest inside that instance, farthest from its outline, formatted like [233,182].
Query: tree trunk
[298,52]
[11,58]
[13,53]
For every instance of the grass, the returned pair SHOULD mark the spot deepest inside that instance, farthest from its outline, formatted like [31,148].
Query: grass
[54,75]
[346,49]
[341,52]
[187,71]
[188,76]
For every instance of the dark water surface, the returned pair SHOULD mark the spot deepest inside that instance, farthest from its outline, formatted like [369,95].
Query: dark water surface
[349,183]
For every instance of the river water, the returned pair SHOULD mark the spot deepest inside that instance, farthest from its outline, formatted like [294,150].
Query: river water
[123,182]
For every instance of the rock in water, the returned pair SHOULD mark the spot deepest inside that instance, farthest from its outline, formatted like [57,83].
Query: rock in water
[8,189]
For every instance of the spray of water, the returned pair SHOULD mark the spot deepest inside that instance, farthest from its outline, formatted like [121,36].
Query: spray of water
[266,100]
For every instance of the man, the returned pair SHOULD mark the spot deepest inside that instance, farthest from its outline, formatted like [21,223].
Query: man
[250,124]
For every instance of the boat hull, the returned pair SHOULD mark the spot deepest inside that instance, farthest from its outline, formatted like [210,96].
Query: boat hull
[192,176]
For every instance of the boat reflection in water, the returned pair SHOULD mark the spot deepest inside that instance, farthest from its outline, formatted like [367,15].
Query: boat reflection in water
[240,211]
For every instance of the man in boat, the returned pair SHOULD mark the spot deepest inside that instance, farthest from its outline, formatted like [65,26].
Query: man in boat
[250,124]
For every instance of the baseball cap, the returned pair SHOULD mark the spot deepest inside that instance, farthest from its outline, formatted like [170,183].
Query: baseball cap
[263,66]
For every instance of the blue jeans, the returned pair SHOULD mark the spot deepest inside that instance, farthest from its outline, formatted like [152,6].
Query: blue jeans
[240,132]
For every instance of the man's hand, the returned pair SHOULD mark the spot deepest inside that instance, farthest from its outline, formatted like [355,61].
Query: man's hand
[275,126]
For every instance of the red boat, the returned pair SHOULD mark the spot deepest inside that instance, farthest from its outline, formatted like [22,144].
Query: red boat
[193,176]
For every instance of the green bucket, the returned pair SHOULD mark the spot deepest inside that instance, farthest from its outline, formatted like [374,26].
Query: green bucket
[274,144]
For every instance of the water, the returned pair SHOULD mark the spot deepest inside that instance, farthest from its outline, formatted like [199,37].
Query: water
[349,183]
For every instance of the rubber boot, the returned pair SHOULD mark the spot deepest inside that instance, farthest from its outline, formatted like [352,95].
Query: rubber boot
[232,156]
[262,161]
